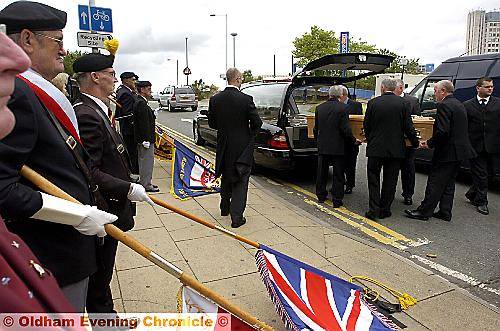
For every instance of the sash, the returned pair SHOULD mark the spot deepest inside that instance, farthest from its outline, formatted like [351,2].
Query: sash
[54,100]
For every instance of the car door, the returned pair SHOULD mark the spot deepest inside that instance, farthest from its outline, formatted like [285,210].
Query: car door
[205,131]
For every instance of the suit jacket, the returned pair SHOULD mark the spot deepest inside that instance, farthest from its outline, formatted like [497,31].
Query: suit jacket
[124,112]
[15,263]
[354,107]
[111,170]
[450,138]
[484,125]
[387,122]
[414,104]
[35,141]
[234,116]
[332,129]
[144,121]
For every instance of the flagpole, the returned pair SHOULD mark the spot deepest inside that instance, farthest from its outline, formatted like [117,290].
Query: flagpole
[203,222]
[50,188]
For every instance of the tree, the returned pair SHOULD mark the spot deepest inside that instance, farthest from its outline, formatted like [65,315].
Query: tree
[202,90]
[247,76]
[314,44]
[68,60]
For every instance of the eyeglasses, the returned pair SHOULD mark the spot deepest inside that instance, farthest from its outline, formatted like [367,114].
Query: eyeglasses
[60,42]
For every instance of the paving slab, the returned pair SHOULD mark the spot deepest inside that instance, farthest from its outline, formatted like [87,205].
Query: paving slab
[156,239]
[339,245]
[238,286]
[312,236]
[115,287]
[146,217]
[260,305]
[455,310]
[215,258]
[186,205]
[392,271]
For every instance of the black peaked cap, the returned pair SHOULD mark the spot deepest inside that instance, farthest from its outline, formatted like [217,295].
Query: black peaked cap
[128,74]
[143,83]
[93,62]
[31,15]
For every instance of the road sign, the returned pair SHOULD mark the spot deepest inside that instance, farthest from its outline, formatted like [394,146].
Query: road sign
[95,40]
[344,42]
[186,71]
[97,19]
[429,67]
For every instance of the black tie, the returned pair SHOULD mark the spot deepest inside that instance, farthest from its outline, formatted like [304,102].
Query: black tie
[483,103]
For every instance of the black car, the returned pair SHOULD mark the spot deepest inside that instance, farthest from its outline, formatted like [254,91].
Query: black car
[283,107]
[463,72]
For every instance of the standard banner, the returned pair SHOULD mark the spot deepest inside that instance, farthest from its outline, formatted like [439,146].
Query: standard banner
[192,174]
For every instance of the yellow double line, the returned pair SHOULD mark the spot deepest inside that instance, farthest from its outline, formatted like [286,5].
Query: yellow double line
[371,228]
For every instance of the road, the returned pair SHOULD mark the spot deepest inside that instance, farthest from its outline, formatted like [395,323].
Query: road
[465,251]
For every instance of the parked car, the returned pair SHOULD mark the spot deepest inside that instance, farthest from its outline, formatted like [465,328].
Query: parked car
[283,107]
[181,97]
[463,72]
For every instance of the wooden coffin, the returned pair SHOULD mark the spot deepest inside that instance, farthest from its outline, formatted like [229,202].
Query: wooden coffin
[423,126]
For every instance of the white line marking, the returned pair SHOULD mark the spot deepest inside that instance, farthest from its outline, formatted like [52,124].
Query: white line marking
[420,242]
[456,274]
[190,120]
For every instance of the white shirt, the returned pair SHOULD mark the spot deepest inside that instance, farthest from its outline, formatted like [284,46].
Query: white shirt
[99,103]
[479,99]
[236,87]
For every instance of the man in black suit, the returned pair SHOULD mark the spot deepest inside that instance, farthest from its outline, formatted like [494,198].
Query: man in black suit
[408,165]
[96,78]
[234,116]
[450,140]
[144,128]
[351,149]
[46,139]
[333,132]
[126,96]
[387,122]
[483,115]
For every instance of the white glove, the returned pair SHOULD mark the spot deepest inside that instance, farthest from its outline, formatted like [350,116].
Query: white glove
[86,219]
[137,192]
[146,144]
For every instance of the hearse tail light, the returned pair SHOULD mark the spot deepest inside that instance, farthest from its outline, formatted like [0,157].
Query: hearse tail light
[172,98]
[278,141]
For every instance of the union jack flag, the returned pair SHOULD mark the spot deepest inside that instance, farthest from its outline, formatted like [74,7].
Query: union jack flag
[307,298]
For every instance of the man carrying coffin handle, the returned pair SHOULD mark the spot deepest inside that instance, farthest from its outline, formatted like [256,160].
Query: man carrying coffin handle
[450,140]
[96,78]
[46,138]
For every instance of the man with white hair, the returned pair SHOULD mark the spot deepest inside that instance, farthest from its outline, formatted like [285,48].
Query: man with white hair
[332,131]
[387,122]
[450,140]
[351,150]
[408,166]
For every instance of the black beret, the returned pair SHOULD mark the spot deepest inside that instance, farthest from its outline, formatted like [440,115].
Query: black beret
[31,15]
[128,74]
[143,83]
[93,62]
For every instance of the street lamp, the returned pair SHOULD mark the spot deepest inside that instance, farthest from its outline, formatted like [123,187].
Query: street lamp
[234,34]
[225,36]
[177,65]
[403,62]
[187,64]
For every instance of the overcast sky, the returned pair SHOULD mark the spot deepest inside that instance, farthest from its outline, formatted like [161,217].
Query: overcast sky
[150,32]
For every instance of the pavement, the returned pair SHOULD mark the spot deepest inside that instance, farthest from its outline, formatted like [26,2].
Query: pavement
[228,266]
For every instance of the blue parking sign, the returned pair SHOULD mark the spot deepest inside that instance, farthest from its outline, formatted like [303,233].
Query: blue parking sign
[97,19]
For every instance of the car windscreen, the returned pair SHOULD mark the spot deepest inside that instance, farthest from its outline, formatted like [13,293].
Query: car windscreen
[184,90]
[305,99]
[267,99]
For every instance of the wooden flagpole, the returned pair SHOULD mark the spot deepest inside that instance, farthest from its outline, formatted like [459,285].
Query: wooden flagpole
[50,188]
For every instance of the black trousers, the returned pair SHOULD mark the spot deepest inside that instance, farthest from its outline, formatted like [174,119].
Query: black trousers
[337,190]
[131,145]
[380,201]
[351,160]
[99,298]
[481,166]
[233,193]
[408,173]
[440,188]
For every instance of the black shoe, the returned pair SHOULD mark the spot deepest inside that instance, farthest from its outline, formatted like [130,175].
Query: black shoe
[337,204]
[416,214]
[470,196]
[152,189]
[371,216]
[385,214]
[238,223]
[348,190]
[442,216]
[483,209]
[408,201]
[321,200]
[155,186]
[224,212]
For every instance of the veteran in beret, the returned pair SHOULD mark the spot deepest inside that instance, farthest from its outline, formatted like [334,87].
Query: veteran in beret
[46,138]
[96,77]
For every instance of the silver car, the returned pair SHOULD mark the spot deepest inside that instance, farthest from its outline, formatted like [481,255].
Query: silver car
[181,97]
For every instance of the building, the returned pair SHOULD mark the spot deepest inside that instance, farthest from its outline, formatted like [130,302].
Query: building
[483,32]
